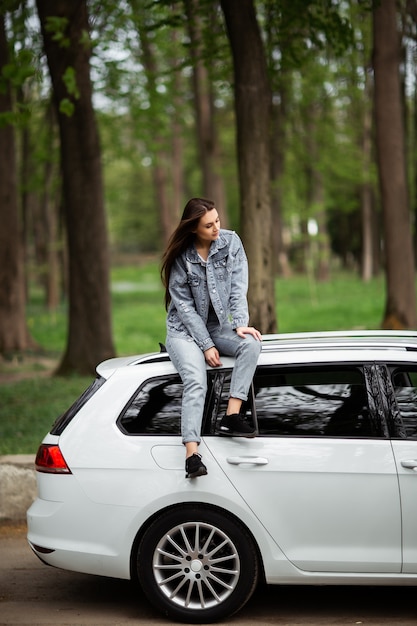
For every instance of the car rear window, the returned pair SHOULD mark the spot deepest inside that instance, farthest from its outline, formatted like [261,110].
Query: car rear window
[154,409]
[63,420]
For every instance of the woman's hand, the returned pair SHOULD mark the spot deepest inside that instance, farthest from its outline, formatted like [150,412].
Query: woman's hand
[212,357]
[248,330]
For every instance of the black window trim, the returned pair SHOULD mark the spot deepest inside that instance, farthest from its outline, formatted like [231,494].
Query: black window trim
[63,420]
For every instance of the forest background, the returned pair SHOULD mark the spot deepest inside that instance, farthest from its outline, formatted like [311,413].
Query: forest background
[298,117]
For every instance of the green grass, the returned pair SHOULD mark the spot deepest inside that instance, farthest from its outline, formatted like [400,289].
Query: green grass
[343,303]
[29,407]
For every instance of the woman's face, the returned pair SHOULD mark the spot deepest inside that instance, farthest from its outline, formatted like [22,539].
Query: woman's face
[208,228]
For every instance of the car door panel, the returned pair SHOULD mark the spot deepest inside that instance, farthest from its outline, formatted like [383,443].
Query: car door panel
[331,505]
[406,455]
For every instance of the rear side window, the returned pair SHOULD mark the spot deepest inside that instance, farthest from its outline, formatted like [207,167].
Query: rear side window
[324,401]
[154,409]
[404,382]
[62,422]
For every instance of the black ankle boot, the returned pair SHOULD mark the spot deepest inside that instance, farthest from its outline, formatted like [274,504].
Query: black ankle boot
[235,426]
[194,466]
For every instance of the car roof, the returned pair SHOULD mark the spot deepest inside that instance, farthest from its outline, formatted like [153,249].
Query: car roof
[320,344]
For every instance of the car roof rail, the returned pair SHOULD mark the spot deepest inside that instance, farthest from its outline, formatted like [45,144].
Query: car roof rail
[351,338]
[340,333]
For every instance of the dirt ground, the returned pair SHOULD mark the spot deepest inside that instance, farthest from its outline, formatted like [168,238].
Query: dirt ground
[18,368]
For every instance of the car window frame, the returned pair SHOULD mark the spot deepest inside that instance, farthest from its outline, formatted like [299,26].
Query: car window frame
[177,379]
[371,386]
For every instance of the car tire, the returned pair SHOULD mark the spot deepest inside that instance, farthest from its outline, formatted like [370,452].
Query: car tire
[197,564]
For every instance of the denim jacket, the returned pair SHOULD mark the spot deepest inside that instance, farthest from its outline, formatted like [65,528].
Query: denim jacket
[193,284]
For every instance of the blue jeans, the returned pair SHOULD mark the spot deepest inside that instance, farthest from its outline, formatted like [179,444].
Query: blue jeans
[189,360]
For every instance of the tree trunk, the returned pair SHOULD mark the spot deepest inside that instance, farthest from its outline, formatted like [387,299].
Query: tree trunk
[177,153]
[162,166]
[162,195]
[323,239]
[315,195]
[207,139]
[89,336]
[50,207]
[14,335]
[368,256]
[281,263]
[414,156]
[411,11]
[253,105]
[400,311]
[40,207]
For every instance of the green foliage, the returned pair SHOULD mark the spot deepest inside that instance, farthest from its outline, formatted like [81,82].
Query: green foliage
[16,75]
[325,102]
[142,65]
[85,40]
[133,218]
[19,69]
[70,80]
[57,26]
[66,107]
[298,30]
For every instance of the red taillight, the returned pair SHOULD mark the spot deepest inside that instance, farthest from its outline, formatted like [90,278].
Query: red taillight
[50,460]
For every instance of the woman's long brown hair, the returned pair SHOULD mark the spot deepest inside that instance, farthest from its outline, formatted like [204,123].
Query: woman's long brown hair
[182,237]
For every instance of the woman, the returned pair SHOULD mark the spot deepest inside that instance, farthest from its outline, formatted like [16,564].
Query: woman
[205,274]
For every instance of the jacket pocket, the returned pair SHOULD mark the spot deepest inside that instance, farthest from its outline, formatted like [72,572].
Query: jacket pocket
[221,268]
[193,280]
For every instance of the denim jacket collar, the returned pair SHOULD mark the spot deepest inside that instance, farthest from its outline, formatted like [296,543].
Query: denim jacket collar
[192,255]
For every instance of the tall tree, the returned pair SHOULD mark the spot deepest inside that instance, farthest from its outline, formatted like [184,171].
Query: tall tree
[46,215]
[14,335]
[207,135]
[357,84]
[369,240]
[166,152]
[400,307]
[67,45]
[253,115]
[177,152]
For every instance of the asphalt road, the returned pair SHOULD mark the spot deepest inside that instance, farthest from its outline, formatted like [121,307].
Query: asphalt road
[33,594]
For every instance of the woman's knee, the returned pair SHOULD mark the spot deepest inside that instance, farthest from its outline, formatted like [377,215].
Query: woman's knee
[251,348]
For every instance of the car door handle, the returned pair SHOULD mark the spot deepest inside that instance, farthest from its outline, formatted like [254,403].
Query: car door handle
[412,464]
[247,460]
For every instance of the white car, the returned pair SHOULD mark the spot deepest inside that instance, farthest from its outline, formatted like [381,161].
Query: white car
[325,494]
